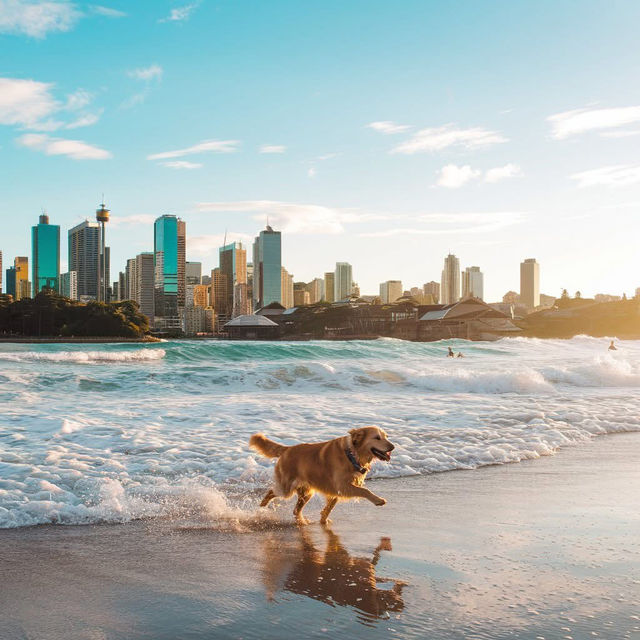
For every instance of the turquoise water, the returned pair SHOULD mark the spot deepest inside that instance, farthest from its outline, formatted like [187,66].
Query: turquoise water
[92,433]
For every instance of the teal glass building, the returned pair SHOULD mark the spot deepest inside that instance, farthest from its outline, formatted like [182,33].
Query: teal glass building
[169,244]
[11,281]
[267,268]
[45,252]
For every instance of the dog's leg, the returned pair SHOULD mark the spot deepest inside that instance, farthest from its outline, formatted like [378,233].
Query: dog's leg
[304,495]
[361,492]
[268,498]
[324,515]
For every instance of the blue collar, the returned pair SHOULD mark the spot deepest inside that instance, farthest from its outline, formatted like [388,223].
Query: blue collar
[353,460]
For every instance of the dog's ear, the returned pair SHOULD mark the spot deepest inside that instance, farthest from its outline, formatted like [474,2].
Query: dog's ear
[357,436]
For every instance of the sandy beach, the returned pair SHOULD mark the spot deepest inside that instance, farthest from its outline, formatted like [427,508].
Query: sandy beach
[541,549]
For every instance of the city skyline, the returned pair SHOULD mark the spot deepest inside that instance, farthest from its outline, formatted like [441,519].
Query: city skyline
[530,157]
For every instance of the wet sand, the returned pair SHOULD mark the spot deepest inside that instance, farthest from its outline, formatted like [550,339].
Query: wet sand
[541,549]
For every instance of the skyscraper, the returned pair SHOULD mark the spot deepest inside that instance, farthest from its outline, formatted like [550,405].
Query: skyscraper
[1,272]
[45,255]
[530,283]
[287,288]
[169,246]
[316,290]
[69,285]
[343,285]
[233,265]
[450,289]
[193,272]
[144,285]
[432,289]
[267,266]
[472,283]
[390,291]
[84,249]
[22,284]
[330,286]
[11,281]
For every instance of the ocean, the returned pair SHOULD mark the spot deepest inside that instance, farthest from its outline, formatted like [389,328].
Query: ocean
[118,432]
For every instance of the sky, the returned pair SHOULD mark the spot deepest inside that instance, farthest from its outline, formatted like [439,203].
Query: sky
[384,134]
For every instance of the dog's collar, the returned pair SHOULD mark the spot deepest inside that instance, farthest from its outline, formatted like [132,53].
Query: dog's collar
[354,461]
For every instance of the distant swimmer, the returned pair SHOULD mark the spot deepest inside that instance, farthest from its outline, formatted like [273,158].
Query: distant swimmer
[460,355]
[612,347]
[451,354]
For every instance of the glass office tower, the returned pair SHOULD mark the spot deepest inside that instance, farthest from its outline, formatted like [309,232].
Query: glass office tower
[169,244]
[267,268]
[45,255]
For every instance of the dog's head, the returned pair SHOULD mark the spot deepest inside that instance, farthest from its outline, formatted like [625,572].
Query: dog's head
[370,443]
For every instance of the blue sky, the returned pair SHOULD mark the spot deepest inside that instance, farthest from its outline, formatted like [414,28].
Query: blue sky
[383,134]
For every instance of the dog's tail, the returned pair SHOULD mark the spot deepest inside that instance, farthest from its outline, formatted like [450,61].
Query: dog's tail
[268,448]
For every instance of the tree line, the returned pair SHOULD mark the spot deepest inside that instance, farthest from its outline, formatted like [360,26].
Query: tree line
[49,314]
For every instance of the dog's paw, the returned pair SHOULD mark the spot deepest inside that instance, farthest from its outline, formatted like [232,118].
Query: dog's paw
[380,502]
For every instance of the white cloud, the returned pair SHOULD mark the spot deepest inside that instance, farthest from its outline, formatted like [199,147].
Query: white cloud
[78,100]
[453,223]
[216,146]
[25,102]
[388,127]
[291,217]
[76,149]
[569,123]
[272,148]
[180,14]
[206,245]
[181,164]
[453,177]
[152,72]
[311,172]
[85,120]
[502,173]
[136,219]
[438,138]
[624,133]
[619,175]
[107,11]
[36,18]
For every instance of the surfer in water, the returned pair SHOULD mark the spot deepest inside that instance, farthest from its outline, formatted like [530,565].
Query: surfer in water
[612,347]
[451,354]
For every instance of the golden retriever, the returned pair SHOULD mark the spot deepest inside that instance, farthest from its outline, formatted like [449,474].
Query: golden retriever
[336,468]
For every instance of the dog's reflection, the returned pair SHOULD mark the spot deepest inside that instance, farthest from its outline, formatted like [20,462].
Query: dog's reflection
[334,576]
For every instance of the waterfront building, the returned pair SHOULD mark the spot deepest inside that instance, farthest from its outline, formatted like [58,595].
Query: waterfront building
[198,319]
[22,284]
[390,291]
[300,294]
[193,273]
[45,255]
[197,296]
[330,286]
[287,289]
[530,283]
[140,282]
[343,285]
[267,268]
[472,283]
[233,265]
[450,283]
[84,249]
[169,245]
[68,286]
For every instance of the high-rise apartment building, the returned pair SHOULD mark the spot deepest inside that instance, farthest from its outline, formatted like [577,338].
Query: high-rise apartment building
[432,289]
[450,287]
[1,272]
[197,295]
[144,283]
[287,289]
[11,281]
[22,284]
[193,272]
[169,246]
[300,294]
[316,290]
[330,286]
[472,283]
[233,265]
[84,252]
[68,286]
[530,283]
[390,291]
[343,285]
[267,268]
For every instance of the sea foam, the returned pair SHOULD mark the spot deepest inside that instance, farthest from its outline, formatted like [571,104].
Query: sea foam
[162,432]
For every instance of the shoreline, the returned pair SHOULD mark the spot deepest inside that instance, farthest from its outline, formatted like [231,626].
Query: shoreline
[542,548]
[79,340]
